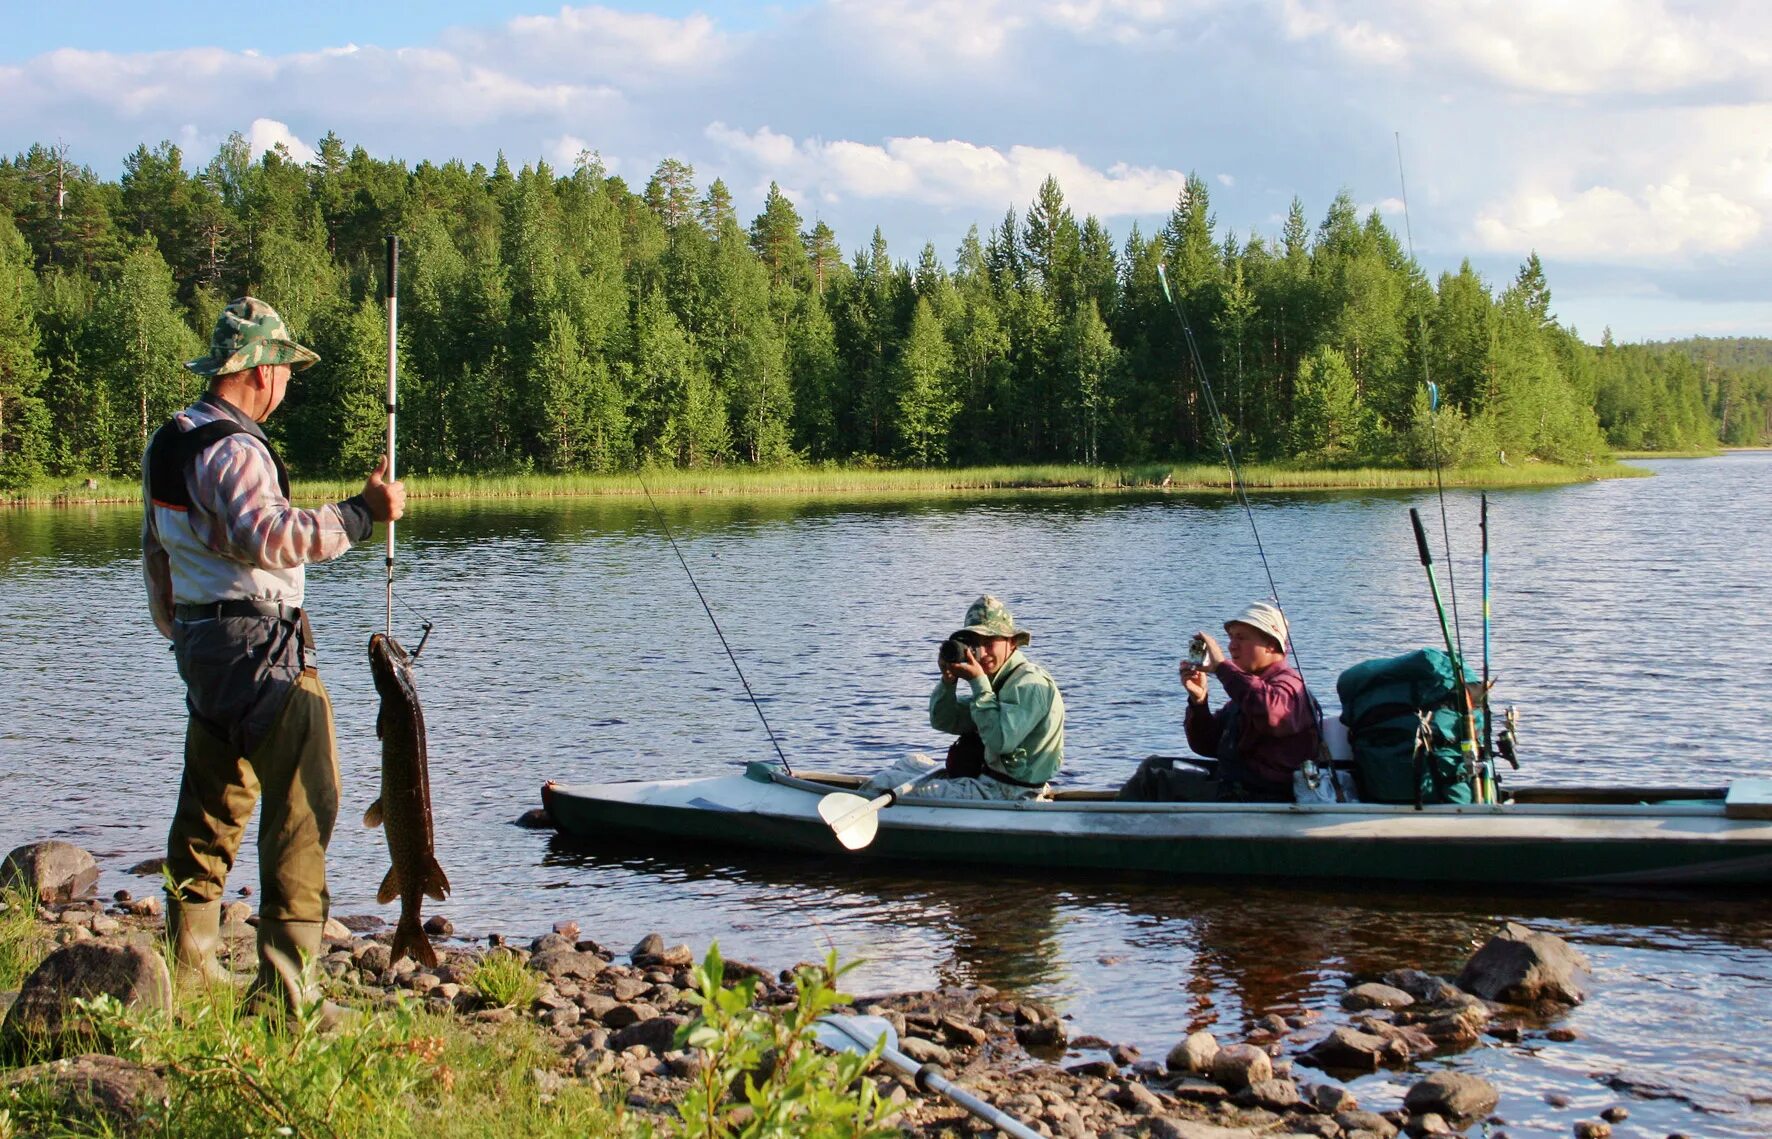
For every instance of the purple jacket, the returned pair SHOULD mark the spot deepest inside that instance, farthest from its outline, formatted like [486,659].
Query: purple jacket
[1264,732]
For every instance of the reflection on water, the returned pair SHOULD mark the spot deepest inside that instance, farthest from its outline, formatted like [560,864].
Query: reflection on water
[570,646]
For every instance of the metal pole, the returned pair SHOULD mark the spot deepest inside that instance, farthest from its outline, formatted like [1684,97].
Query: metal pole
[393,285]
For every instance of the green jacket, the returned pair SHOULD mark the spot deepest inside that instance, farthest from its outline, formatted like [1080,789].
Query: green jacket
[1021,723]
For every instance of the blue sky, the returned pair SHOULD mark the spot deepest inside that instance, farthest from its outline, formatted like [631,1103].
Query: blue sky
[1629,142]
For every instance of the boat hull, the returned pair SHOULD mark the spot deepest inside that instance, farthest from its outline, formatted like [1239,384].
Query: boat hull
[1656,844]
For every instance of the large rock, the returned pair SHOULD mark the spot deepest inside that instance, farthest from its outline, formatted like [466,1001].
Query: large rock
[57,871]
[1349,1050]
[1374,995]
[561,963]
[1240,1065]
[1424,987]
[1460,1098]
[94,1087]
[1194,1055]
[1523,966]
[44,1017]
[658,1034]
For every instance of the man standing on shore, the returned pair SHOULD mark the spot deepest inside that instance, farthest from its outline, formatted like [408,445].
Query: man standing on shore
[223,554]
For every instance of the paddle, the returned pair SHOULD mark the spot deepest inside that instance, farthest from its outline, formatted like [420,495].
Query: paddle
[861,1034]
[854,820]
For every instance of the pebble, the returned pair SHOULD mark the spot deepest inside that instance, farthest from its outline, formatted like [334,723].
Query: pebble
[1592,1129]
[439,926]
[1615,1114]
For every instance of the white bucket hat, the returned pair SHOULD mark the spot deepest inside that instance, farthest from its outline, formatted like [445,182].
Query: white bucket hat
[1265,616]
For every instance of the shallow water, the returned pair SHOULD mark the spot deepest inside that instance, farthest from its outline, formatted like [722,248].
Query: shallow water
[570,645]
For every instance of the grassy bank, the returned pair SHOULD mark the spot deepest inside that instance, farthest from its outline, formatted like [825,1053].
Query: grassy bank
[1697,453]
[207,1068]
[860,480]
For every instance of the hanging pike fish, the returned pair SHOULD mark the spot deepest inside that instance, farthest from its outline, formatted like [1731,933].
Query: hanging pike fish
[404,809]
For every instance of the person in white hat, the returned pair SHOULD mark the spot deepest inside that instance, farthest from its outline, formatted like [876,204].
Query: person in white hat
[1261,735]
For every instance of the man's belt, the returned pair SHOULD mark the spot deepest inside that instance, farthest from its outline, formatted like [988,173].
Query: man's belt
[1000,777]
[210,610]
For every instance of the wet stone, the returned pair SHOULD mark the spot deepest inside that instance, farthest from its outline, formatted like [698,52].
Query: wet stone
[1194,1054]
[1459,1097]
[439,926]
[1592,1129]
[1272,1095]
[1374,995]
[656,1034]
[1429,1124]
[56,871]
[1240,1065]
[1367,1121]
[1523,966]
[535,819]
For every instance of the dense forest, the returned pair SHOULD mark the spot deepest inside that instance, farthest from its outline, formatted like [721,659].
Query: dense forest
[566,321]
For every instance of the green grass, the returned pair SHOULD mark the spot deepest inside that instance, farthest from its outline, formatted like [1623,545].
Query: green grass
[401,1072]
[1694,453]
[861,480]
[504,980]
[22,944]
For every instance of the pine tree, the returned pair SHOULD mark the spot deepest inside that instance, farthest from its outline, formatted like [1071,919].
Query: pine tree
[926,403]
[24,421]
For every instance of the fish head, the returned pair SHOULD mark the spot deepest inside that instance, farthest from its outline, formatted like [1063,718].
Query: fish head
[388,659]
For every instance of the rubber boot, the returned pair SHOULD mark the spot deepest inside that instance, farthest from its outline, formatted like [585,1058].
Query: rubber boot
[194,929]
[287,951]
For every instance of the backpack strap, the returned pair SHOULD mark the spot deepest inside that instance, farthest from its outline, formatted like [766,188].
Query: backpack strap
[173,450]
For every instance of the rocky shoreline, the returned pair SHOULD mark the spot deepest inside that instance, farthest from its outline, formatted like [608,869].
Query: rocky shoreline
[613,1018]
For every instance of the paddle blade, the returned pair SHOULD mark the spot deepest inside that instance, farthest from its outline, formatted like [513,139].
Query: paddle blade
[852,819]
[858,1034]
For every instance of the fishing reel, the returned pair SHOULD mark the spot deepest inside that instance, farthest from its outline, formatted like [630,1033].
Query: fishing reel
[1507,743]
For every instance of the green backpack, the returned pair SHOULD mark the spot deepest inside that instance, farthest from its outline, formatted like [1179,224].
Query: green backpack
[1380,704]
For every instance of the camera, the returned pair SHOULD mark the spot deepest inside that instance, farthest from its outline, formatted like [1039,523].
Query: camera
[953,650]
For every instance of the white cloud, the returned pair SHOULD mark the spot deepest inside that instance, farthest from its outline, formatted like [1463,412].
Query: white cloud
[265,134]
[1601,47]
[922,33]
[634,48]
[953,172]
[1668,219]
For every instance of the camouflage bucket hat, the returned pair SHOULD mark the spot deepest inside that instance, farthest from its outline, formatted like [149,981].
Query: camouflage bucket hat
[989,617]
[249,333]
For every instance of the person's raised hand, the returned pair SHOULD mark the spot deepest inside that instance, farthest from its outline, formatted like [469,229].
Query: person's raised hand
[1193,681]
[386,500]
[968,665]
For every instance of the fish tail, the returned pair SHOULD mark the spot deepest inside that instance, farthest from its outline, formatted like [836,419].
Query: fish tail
[410,941]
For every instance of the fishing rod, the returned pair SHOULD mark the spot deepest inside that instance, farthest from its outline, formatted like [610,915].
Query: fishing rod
[393,299]
[1483,763]
[1242,493]
[1433,412]
[705,608]
[1230,455]
[1468,745]
[1488,717]
[393,283]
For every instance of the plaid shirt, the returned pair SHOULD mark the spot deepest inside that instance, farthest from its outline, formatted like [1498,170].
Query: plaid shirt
[242,538]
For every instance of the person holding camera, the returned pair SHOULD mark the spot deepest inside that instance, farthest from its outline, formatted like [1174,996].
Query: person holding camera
[1010,728]
[1262,734]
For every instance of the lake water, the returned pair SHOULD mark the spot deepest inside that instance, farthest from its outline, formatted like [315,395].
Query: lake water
[1632,620]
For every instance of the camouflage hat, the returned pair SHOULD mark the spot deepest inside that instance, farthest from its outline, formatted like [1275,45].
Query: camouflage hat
[249,333]
[988,617]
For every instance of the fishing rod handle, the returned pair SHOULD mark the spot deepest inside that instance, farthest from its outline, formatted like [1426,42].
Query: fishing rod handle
[1427,557]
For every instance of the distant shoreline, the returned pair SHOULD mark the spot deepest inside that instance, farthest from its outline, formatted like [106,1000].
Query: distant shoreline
[839,482]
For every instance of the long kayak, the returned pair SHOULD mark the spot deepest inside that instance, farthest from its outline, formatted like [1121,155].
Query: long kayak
[1570,835]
